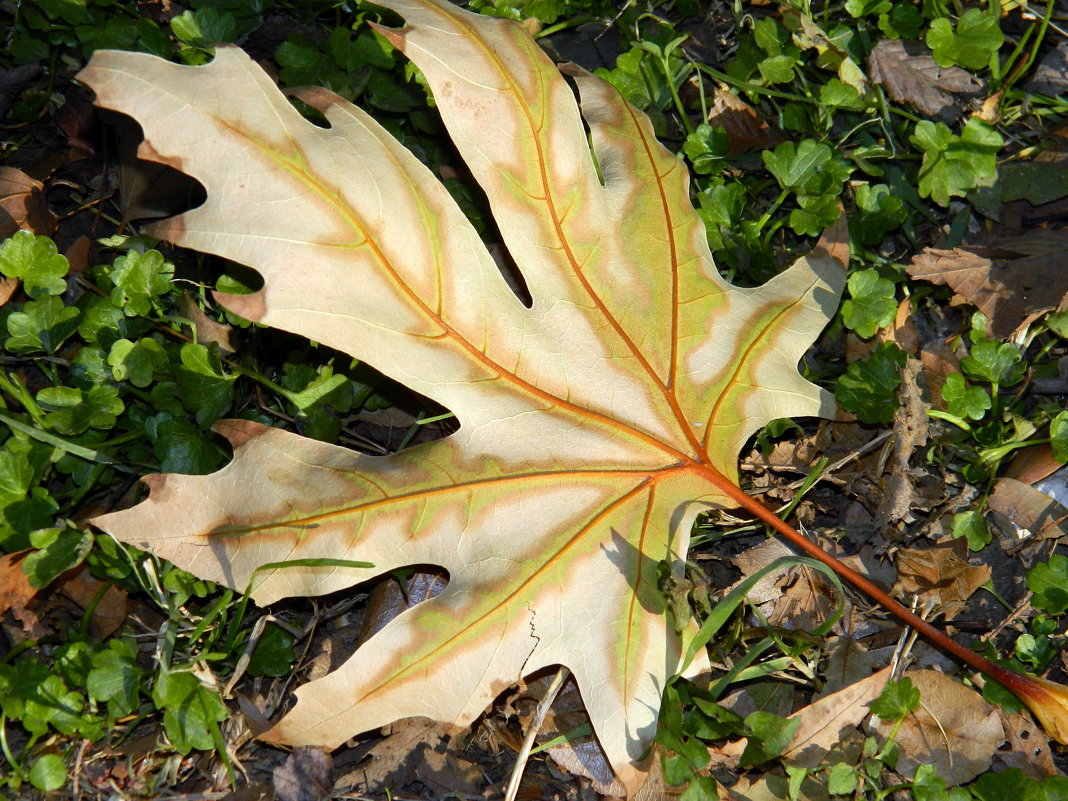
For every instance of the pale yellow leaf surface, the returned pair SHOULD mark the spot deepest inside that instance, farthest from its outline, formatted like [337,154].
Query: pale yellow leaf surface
[594,425]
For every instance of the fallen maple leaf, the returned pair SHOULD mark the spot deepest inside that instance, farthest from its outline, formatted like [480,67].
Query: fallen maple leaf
[597,422]
[1011,279]
[595,425]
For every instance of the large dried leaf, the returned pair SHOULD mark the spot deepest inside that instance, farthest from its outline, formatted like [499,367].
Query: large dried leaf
[595,425]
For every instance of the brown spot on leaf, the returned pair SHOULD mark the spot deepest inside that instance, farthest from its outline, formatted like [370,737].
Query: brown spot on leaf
[239,432]
[395,36]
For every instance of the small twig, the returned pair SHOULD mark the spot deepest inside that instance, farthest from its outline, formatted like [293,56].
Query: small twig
[1021,609]
[532,732]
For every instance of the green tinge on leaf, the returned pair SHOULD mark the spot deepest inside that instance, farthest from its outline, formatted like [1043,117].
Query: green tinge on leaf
[36,261]
[595,422]
[1048,581]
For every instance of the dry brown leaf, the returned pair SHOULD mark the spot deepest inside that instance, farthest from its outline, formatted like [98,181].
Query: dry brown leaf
[846,662]
[1029,508]
[911,75]
[207,330]
[806,601]
[754,559]
[1009,289]
[414,750]
[586,759]
[902,332]
[1032,464]
[16,594]
[109,614]
[307,775]
[939,360]
[7,289]
[826,722]
[746,129]
[775,788]
[23,204]
[953,729]
[1027,746]
[940,575]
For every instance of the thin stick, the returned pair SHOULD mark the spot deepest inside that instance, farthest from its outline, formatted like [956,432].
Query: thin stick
[532,732]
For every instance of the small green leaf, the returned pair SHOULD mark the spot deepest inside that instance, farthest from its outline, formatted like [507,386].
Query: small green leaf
[633,80]
[185,585]
[953,166]
[103,322]
[115,678]
[998,363]
[963,401]
[139,280]
[809,168]
[1048,582]
[816,212]
[841,779]
[369,49]
[794,166]
[971,44]
[1011,783]
[189,710]
[869,388]
[1035,651]
[871,304]
[1055,788]
[927,785]
[273,655]
[1058,433]
[52,703]
[879,212]
[1058,323]
[202,385]
[41,325]
[837,94]
[181,447]
[862,8]
[58,550]
[770,36]
[48,772]
[972,527]
[706,147]
[902,22]
[777,69]
[768,737]
[136,362]
[36,262]
[897,699]
[75,411]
